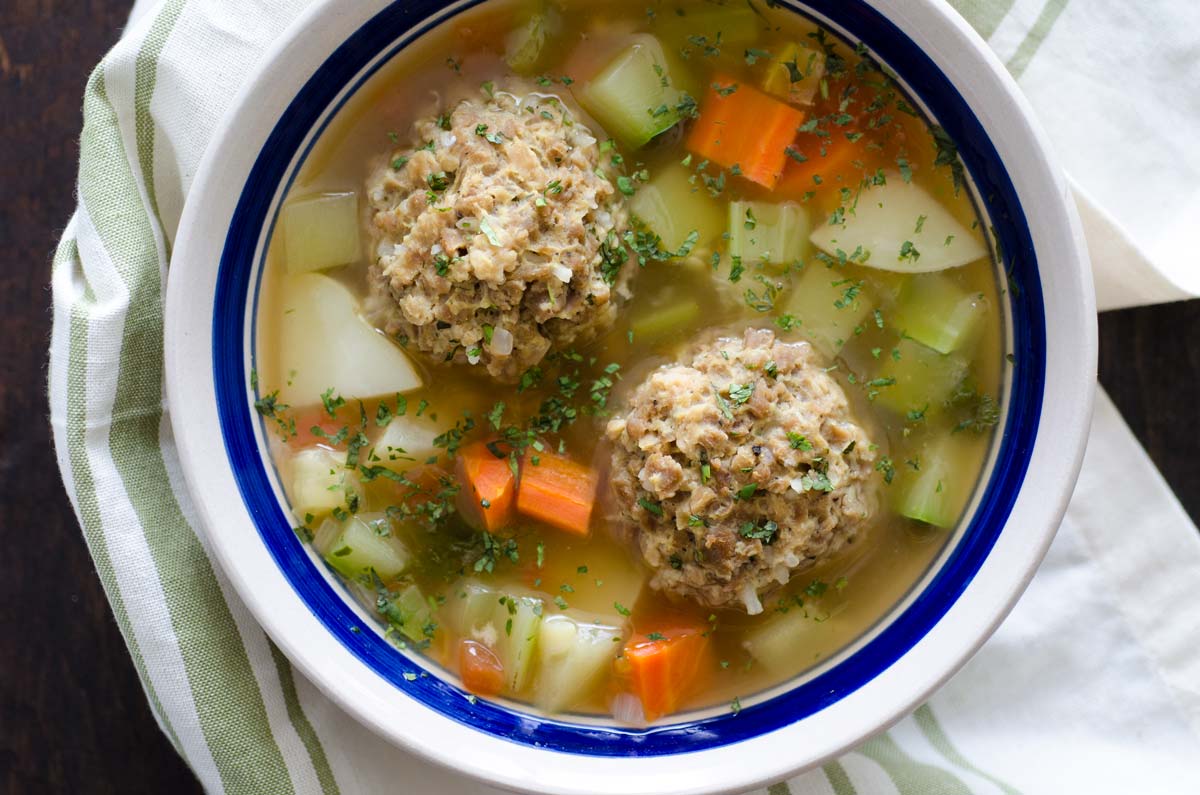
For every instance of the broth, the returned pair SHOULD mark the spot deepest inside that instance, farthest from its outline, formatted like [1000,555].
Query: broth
[600,578]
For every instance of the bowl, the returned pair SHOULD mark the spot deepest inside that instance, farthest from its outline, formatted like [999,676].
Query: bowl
[323,58]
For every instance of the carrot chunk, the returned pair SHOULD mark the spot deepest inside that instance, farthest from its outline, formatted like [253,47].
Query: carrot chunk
[314,426]
[481,670]
[557,491]
[488,487]
[829,163]
[746,128]
[666,667]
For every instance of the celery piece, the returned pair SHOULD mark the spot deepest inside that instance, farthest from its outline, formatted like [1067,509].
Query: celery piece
[828,308]
[795,74]
[411,613]
[633,97]
[364,544]
[899,226]
[938,313]
[914,377]
[508,624]
[673,206]
[518,647]
[525,45]
[573,657]
[322,343]
[321,232]
[699,29]
[654,322]
[935,493]
[776,234]
[320,481]
[781,642]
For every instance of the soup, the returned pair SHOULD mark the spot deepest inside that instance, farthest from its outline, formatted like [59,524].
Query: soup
[629,362]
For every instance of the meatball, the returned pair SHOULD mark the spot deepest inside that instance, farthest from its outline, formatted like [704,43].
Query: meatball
[496,237]
[738,467]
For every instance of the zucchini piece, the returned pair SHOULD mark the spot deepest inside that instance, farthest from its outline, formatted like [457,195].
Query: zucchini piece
[508,624]
[776,234]
[698,27]
[321,232]
[653,323]
[634,98]
[321,482]
[936,493]
[362,544]
[829,307]
[791,62]
[408,611]
[780,642]
[939,314]
[916,378]
[901,227]
[673,207]
[573,658]
[322,342]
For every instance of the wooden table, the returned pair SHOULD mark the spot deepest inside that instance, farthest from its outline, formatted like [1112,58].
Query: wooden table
[72,713]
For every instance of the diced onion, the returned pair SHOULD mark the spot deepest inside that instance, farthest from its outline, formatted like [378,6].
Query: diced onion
[562,273]
[750,599]
[502,342]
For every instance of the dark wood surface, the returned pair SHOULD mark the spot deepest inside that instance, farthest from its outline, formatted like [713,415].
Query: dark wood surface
[73,717]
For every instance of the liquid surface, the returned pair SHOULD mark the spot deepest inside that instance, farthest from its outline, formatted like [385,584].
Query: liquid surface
[598,578]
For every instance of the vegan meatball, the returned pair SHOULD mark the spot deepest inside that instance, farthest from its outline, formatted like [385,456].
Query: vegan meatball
[496,237]
[738,467]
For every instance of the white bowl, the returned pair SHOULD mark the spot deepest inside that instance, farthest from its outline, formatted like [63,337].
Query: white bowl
[211,299]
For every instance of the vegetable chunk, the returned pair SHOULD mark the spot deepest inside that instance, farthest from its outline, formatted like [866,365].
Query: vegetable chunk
[321,232]
[573,657]
[634,96]
[666,667]
[320,481]
[557,491]
[937,313]
[489,487]
[743,127]
[324,344]
[795,75]
[902,228]
[361,545]
[675,207]
[776,234]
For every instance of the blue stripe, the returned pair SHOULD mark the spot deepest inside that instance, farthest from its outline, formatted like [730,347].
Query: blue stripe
[253,215]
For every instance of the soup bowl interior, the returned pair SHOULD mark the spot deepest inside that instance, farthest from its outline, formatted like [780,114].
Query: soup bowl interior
[212,301]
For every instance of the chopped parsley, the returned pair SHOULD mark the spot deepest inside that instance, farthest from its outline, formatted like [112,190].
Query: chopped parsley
[765,532]
[491,137]
[651,507]
[888,469]
[799,442]
[741,393]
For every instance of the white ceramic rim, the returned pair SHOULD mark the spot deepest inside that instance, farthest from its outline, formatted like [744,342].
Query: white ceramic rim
[1054,465]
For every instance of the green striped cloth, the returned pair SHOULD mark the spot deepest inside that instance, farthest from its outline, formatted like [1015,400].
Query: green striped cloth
[1089,660]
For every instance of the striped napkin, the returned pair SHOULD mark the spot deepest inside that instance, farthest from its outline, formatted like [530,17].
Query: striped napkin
[1092,685]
